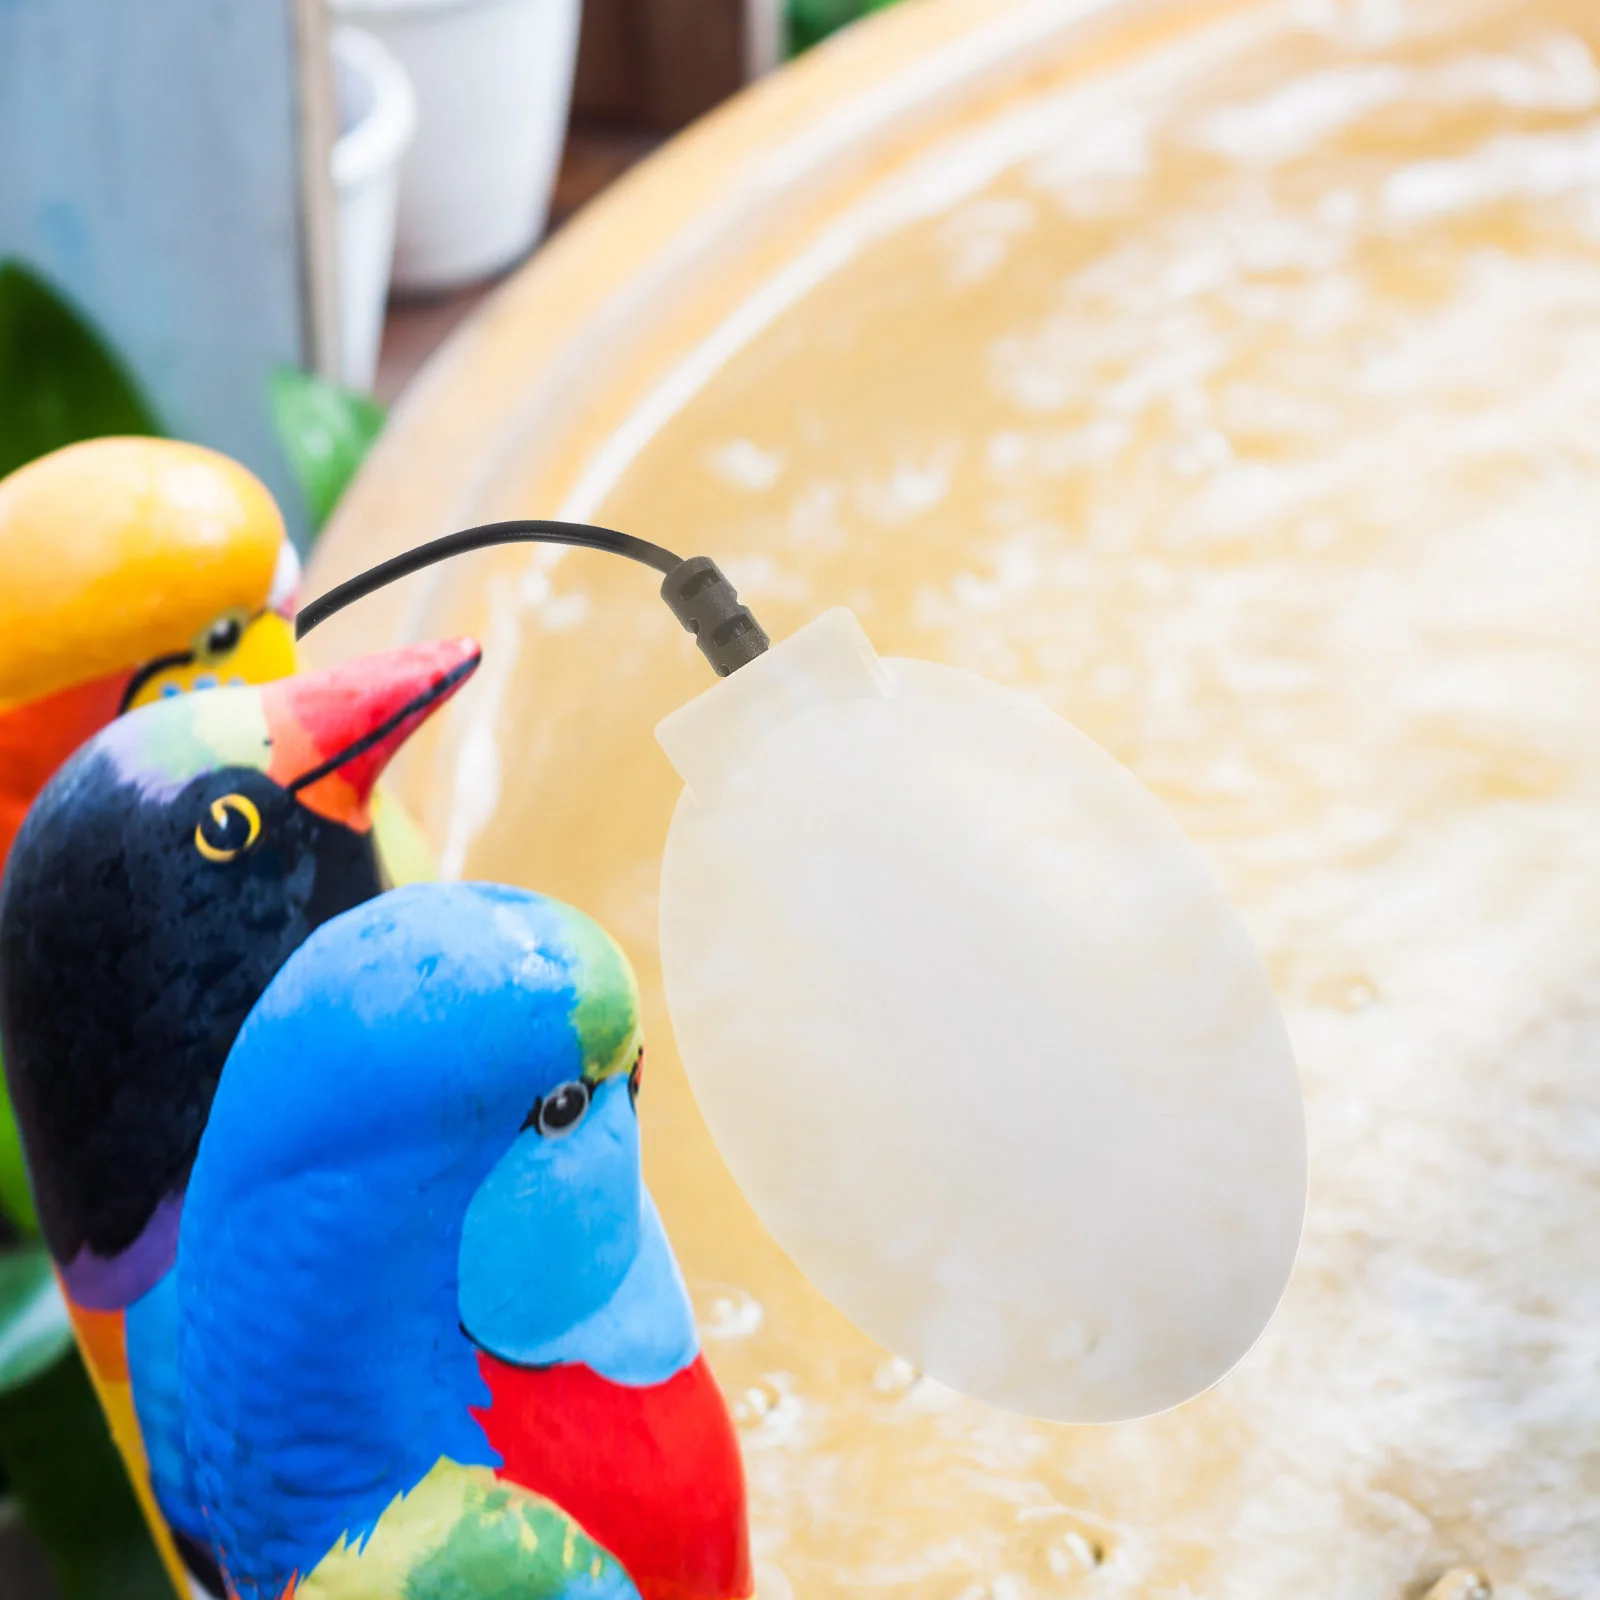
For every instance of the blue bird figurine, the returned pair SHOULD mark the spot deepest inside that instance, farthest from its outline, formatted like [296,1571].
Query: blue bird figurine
[433,1340]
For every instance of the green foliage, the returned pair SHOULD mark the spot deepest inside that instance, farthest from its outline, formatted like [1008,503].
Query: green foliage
[16,1203]
[34,1330]
[59,381]
[809,22]
[68,1478]
[325,432]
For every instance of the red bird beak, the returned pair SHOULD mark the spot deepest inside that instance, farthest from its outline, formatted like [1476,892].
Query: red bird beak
[333,732]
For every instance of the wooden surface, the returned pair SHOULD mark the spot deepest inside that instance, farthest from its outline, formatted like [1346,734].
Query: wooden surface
[1222,374]
[658,64]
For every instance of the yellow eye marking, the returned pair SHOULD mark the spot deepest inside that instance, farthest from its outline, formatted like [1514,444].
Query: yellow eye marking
[236,804]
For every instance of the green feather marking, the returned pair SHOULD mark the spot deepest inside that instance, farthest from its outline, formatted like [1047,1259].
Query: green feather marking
[462,1534]
[196,732]
[606,1016]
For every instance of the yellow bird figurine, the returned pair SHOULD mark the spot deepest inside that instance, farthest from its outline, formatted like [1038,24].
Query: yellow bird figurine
[129,569]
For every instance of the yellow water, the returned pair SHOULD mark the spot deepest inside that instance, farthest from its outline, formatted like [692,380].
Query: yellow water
[1241,399]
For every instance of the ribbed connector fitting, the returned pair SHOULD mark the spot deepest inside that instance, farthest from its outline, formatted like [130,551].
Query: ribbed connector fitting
[704,601]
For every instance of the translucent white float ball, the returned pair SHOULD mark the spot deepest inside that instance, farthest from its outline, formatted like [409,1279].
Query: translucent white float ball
[977,1031]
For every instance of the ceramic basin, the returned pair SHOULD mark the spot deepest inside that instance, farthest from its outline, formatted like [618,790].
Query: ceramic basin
[1228,376]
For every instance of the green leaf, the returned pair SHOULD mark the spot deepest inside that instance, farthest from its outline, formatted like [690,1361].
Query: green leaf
[59,381]
[809,22]
[16,1200]
[34,1328]
[325,432]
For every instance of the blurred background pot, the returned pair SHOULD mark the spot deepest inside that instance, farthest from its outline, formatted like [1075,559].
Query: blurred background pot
[377,122]
[493,81]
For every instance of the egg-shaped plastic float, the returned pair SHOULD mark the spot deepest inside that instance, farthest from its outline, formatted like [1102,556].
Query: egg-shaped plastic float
[977,1030]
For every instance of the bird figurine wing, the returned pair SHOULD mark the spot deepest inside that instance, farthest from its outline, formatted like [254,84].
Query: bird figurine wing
[463,1532]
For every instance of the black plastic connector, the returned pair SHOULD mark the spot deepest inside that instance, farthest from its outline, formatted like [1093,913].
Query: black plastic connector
[703,600]
[698,592]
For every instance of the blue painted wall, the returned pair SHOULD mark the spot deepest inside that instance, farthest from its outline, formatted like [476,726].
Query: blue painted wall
[149,167]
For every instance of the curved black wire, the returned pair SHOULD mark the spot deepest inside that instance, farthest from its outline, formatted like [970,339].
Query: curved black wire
[481,538]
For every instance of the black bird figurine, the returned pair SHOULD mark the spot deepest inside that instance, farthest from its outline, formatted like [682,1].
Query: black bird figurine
[156,886]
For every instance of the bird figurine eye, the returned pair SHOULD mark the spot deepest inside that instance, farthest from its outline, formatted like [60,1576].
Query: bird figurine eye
[229,828]
[560,1111]
[222,637]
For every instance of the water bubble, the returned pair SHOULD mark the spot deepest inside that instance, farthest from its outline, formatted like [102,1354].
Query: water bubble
[1074,1552]
[895,1377]
[768,1411]
[724,1312]
[755,1403]
[1058,1547]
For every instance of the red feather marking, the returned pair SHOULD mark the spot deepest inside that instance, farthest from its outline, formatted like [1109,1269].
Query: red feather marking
[653,1474]
[37,736]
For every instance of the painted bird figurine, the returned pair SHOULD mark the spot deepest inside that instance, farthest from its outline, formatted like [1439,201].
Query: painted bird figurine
[130,569]
[434,1341]
[157,885]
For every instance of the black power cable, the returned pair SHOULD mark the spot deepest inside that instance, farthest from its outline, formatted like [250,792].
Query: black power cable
[699,594]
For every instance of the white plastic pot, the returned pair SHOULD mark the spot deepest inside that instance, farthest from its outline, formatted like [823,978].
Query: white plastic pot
[377,119]
[493,80]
